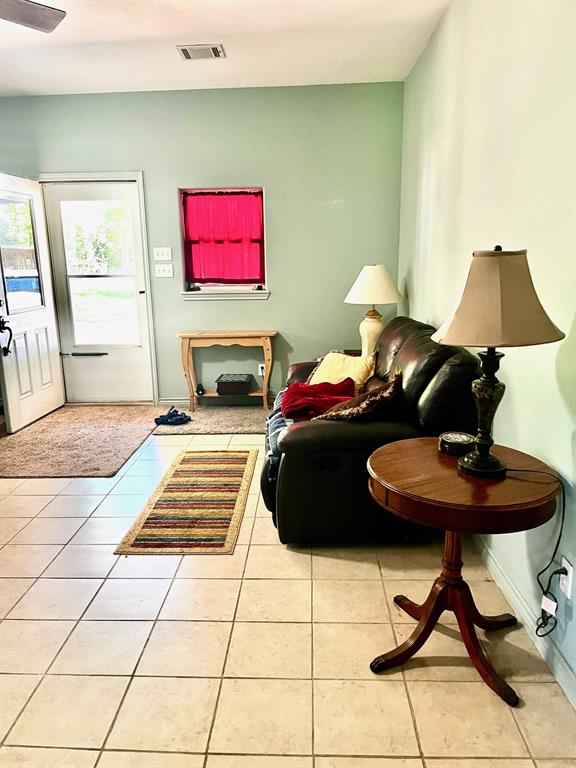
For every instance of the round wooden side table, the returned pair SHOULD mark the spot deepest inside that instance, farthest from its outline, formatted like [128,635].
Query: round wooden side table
[412,479]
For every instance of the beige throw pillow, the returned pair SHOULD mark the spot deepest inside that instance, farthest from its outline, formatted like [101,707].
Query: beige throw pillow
[336,367]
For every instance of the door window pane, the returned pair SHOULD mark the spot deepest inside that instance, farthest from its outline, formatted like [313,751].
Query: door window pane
[97,237]
[104,310]
[18,253]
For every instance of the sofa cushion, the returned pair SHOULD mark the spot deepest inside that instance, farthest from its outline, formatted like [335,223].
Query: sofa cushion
[375,405]
[336,367]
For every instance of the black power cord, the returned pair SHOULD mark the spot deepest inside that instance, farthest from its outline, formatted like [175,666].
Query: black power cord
[546,623]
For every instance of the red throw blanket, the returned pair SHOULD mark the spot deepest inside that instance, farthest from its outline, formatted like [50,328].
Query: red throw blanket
[304,401]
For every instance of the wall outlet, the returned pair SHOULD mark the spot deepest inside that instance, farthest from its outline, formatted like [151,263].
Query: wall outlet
[163,254]
[567,581]
[163,270]
[260,369]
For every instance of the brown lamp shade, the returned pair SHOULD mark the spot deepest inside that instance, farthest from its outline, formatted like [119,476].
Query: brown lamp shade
[499,306]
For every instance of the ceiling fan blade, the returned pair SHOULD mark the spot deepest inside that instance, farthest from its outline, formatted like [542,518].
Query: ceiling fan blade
[30,14]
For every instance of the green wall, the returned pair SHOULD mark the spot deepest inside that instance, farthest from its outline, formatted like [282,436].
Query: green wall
[489,157]
[328,157]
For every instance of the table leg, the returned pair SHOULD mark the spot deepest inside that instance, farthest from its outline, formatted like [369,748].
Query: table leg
[267,347]
[450,592]
[188,367]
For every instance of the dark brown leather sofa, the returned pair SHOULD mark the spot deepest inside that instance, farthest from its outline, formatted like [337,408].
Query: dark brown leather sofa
[317,490]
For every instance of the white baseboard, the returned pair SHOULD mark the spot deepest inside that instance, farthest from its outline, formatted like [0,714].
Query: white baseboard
[561,670]
[173,401]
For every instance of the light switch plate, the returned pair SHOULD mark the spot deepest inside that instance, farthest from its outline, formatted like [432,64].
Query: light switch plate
[163,254]
[163,270]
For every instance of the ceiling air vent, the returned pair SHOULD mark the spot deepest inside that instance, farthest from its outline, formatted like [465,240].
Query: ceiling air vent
[189,52]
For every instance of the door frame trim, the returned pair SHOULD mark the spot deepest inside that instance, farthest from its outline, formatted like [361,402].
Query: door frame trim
[138,177]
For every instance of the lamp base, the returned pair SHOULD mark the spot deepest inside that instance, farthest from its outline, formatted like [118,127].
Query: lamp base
[488,467]
[370,329]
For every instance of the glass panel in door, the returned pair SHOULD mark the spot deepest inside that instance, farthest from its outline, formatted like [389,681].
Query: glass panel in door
[100,271]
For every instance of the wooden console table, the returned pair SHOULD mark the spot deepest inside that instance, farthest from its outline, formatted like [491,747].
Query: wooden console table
[190,340]
[415,481]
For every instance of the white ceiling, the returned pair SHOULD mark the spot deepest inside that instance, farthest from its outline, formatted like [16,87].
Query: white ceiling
[129,45]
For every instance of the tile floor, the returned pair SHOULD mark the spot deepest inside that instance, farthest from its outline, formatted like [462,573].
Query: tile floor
[254,660]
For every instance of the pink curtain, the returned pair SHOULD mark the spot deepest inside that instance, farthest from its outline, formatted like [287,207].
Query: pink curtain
[224,237]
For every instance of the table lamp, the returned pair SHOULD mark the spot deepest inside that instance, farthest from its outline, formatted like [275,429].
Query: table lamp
[499,308]
[372,286]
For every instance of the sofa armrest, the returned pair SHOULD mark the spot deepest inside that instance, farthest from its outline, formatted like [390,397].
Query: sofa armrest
[299,372]
[313,436]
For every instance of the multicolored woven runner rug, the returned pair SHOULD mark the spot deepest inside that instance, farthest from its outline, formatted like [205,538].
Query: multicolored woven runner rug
[196,508]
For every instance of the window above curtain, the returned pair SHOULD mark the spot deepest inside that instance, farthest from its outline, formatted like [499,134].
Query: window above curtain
[223,237]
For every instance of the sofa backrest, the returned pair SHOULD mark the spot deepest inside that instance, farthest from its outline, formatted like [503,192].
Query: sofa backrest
[436,378]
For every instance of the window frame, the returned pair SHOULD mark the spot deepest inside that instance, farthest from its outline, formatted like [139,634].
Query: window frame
[222,291]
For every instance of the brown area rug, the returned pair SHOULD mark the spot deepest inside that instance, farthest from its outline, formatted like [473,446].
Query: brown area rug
[196,508]
[220,420]
[77,441]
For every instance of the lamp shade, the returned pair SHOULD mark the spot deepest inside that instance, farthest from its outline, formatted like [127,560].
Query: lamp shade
[499,306]
[373,286]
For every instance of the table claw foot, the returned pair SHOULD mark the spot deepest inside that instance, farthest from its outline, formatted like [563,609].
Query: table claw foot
[492,623]
[409,606]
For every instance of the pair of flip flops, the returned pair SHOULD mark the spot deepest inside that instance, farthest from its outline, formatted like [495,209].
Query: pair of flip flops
[173,418]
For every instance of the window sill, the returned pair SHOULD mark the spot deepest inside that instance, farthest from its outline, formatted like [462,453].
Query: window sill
[226,294]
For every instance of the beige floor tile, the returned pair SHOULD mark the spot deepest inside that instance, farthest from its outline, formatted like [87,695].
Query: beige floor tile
[134,485]
[186,648]
[249,720]
[208,439]
[152,452]
[262,510]
[11,590]
[345,564]
[28,560]
[23,506]
[201,600]
[42,486]
[278,562]
[344,651]
[370,762]
[443,656]
[478,763]
[264,532]
[362,718]
[148,567]
[214,566]
[102,530]
[442,708]
[102,648]
[56,599]
[16,689]
[487,596]
[349,601]
[68,711]
[547,720]
[36,757]
[30,646]
[9,527]
[274,600]
[82,561]
[425,562]
[71,506]
[9,484]
[149,760]
[90,486]
[515,656]
[165,714]
[258,761]
[48,530]
[259,649]
[121,506]
[555,764]
[148,468]
[251,505]
[129,599]
[179,440]
[245,531]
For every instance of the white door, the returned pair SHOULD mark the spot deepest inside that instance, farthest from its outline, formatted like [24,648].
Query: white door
[98,263]
[30,374]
